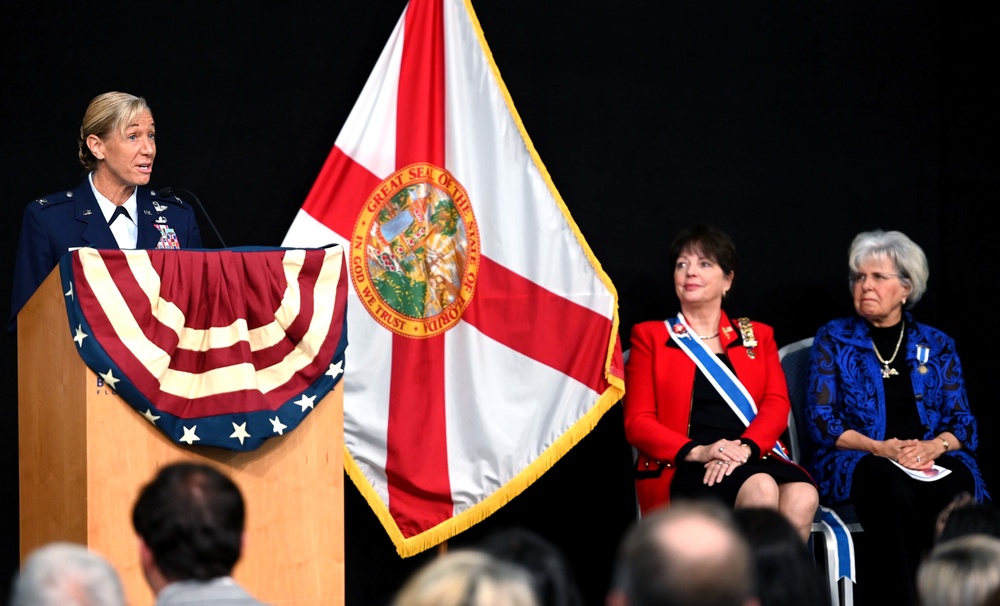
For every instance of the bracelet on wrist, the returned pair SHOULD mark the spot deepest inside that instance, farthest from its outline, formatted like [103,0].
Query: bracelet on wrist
[947,446]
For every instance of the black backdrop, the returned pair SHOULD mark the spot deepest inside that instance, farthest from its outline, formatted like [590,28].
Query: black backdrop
[793,125]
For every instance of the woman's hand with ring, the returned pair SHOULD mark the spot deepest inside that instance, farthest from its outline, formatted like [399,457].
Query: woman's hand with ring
[719,458]
[893,448]
[917,454]
[730,451]
[716,470]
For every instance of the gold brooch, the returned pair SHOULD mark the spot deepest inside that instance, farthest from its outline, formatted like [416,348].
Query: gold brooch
[746,331]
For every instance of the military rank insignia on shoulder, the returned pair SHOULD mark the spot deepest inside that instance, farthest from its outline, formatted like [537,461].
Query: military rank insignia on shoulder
[53,199]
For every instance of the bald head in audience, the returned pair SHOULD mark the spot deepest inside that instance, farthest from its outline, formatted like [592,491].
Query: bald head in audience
[688,554]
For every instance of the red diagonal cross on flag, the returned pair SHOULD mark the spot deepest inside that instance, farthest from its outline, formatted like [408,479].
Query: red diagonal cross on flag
[483,332]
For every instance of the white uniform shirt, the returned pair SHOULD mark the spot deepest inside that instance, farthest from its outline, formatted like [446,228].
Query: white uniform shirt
[125,230]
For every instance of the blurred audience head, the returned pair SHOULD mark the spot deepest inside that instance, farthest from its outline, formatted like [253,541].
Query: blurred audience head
[964,516]
[467,578]
[786,574]
[964,571]
[690,554]
[190,519]
[551,576]
[66,574]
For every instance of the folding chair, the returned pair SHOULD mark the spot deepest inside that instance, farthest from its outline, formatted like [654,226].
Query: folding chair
[795,363]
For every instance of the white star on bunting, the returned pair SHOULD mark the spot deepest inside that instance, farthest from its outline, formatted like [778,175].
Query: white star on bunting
[80,335]
[69,293]
[240,431]
[189,436]
[278,426]
[336,370]
[306,402]
[150,416]
[109,378]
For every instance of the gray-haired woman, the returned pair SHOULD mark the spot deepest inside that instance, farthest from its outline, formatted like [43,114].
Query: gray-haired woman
[889,416]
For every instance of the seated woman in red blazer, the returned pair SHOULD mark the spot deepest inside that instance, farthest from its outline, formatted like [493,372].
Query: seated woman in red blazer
[706,400]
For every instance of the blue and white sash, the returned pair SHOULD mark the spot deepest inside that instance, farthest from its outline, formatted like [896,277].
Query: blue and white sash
[741,402]
[717,373]
[838,540]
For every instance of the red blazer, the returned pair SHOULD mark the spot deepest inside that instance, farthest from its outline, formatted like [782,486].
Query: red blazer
[659,385]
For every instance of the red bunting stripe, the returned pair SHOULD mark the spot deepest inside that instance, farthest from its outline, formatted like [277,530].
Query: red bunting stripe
[214,378]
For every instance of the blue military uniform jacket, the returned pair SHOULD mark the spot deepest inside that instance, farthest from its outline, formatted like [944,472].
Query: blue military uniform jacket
[72,219]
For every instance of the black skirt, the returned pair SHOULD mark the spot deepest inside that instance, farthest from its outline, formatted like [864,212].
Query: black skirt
[689,478]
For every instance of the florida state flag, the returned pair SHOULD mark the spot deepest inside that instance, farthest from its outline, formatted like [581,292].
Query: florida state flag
[483,330]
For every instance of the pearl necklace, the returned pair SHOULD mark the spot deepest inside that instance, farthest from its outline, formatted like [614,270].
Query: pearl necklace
[886,371]
[706,338]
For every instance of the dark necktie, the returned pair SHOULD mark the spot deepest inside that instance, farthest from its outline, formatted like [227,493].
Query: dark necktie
[119,211]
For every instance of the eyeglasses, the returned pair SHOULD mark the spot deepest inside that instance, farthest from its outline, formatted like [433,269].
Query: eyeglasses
[877,278]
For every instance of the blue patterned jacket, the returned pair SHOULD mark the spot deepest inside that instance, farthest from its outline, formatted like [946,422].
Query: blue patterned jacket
[845,392]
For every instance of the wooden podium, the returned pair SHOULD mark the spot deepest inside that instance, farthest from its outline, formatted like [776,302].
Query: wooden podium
[85,454]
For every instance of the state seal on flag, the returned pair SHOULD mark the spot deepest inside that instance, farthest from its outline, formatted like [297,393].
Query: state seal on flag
[415,251]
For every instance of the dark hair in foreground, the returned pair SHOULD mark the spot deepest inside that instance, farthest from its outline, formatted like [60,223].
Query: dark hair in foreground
[971,518]
[708,239]
[688,554]
[551,577]
[785,570]
[191,517]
